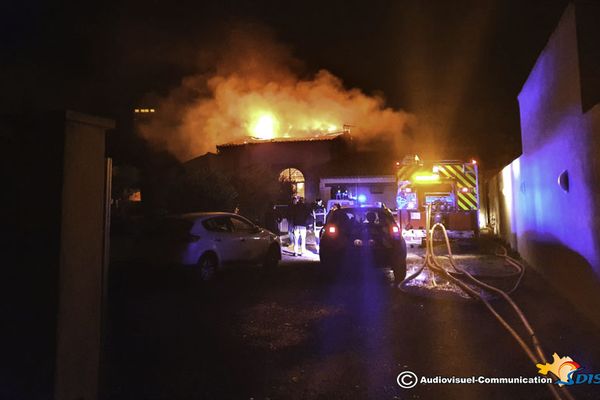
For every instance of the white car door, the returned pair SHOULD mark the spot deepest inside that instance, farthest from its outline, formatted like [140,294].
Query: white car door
[254,238]
[229,245]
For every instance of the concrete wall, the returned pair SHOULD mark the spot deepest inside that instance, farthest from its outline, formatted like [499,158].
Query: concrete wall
[82,258]
[53,229]
[376,188]
[554,230]
[588,31]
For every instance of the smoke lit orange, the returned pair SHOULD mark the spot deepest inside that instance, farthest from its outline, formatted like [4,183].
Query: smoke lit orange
[254,93]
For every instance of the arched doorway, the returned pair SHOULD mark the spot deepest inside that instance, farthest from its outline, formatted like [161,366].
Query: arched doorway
[295,178]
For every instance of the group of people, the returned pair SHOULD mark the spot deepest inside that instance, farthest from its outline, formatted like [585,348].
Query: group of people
[301,217]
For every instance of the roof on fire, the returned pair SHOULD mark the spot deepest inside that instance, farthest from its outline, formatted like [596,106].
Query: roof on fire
[252,140]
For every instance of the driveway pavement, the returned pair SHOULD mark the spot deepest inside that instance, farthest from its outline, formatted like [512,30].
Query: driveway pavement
[301,332]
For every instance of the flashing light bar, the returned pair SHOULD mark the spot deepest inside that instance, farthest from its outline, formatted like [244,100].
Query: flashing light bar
[426,178]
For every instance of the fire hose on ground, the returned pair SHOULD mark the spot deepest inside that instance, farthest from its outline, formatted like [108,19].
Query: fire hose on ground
[463,279]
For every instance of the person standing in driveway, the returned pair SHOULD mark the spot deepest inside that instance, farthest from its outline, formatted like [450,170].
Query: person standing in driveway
[290,220]
[301,217]
[318,213]
[272,219]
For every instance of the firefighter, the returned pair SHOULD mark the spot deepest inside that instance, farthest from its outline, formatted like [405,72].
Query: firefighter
[318,213]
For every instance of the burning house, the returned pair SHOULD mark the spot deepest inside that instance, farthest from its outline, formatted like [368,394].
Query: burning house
[300,161]
[311,165]
[252,110]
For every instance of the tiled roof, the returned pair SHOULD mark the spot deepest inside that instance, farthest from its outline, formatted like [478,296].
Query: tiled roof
[252,140]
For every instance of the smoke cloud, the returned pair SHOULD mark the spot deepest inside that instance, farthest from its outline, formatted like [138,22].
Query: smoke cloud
[251,87]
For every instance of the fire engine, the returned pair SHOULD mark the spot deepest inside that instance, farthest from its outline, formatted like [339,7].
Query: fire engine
[450,187]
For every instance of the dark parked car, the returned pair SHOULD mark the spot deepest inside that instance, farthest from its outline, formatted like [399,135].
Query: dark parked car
[367,234]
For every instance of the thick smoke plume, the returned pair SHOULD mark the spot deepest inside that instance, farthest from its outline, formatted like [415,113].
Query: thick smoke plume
[250,87]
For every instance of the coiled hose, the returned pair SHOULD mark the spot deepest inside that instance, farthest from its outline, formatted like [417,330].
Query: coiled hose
[534,351]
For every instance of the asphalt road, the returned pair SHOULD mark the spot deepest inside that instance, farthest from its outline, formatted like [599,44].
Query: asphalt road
[301,332]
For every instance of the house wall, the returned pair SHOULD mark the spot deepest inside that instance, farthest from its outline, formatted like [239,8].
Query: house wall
[310,157]
[555,231]
[376,188]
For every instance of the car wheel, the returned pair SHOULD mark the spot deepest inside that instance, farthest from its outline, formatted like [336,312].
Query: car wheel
[272,257]
[399,271]
[207,266]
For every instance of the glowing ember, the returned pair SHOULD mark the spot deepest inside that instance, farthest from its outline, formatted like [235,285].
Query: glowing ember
[264,127]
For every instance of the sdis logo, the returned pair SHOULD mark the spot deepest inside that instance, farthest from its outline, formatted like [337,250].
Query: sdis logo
[567,372]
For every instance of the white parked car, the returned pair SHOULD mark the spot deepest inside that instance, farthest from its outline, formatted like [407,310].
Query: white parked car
[209,241]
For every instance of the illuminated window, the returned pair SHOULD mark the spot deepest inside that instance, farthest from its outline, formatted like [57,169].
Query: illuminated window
[135,195]
[296,178]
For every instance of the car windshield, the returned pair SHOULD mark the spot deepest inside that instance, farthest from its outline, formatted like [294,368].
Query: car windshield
[353,217]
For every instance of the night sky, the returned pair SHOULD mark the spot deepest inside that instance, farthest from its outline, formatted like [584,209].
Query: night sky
[458,65]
